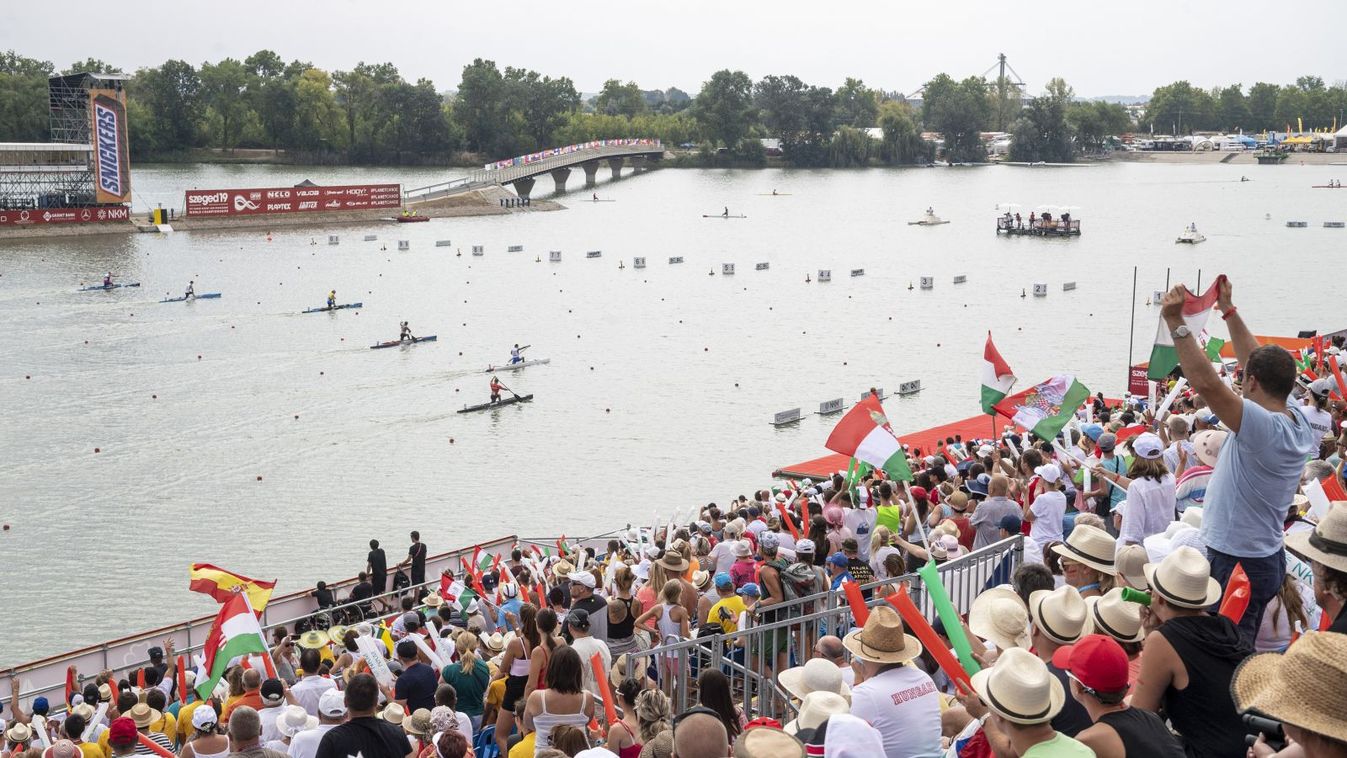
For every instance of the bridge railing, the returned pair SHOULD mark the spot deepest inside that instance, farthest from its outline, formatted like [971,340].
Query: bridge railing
[523,160]
[485,177]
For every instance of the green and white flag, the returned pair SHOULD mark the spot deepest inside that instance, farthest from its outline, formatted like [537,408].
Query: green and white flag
[1196,310]
[1045,408]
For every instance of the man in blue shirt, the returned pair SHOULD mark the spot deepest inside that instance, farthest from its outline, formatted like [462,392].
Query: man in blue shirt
[1258,470]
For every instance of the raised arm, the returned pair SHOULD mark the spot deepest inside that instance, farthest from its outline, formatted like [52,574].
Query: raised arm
[1240,337]
[1222,400]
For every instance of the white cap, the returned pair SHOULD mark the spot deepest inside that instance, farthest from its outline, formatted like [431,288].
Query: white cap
[1148,446]
[1049,472]
[331,703]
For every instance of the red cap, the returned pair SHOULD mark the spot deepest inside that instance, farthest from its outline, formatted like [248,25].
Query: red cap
[1097,661]
[122,731]
[762,721]
[919,493]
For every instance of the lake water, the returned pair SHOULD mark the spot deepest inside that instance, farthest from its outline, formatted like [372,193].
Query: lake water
[661,384]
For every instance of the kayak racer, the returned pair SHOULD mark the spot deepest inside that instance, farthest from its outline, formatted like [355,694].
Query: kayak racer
[332,299]
[190,294]
[496,387]
[406,334]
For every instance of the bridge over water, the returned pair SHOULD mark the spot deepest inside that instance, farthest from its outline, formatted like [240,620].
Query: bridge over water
[523,172]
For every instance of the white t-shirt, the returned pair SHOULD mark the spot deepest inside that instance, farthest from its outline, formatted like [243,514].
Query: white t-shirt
[305,744]
[861,522]
[464,725]
[881,555]
[723,555]
[1048,509]
[756,526]
[309,690]
[586,647]
[268,718]
[903,703]
[1149,509]
[1320,420]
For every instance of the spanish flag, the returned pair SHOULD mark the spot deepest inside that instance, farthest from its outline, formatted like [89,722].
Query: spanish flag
[221,585]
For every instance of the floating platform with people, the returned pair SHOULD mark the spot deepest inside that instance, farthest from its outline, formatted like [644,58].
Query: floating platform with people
[1038,224]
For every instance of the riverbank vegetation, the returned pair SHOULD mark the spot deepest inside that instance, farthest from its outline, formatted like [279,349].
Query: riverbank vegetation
[371,114]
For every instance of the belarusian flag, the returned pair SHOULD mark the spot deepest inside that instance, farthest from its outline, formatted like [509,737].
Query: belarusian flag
[223,585]
[235,633]
[1196,310]
[864,434]
[1045,408]
[997,378]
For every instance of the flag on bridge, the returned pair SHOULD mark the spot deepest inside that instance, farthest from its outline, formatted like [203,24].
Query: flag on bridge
[865,435]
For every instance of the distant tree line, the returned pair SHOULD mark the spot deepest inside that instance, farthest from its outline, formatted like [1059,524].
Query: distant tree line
[371,114]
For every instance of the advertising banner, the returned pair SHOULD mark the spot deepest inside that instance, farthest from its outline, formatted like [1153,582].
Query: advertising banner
[249,202]
[112,162]
[1136,381]
[63,216]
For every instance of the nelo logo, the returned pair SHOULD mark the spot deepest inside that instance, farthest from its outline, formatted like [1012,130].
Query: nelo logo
[108,135]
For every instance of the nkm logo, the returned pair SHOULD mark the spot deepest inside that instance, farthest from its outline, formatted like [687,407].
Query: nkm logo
[108,133]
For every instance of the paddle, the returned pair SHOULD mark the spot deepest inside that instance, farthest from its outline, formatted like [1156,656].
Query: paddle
[512,392]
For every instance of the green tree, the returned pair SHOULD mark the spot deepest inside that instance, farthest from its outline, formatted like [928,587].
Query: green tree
[224,88]
[960,111]
[902,142]
[1180,108]
[92,66]
[618,99]
[271,94]
[724,107]
[1232,108]
[850,147]
[1041,132]
[1262,105]
[480,106]
[539,104]
[171,96]
[857,104]
[1094,122]
[318,118]
[23,97]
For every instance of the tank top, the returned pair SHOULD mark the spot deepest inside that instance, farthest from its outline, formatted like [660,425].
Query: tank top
[624,628]
[546,721]
[667,626]
[220,754]
[1143,733]
[634,749]
[1203,712]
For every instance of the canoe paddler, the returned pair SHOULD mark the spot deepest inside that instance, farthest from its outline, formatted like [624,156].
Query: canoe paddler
[516,355]
[107,280]
[406,334]
[496,387]
[190,294]
[596,197]
[332,299]
[726,214]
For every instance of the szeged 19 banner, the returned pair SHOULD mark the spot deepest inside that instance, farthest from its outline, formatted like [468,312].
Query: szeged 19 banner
[112,162]
[246,202]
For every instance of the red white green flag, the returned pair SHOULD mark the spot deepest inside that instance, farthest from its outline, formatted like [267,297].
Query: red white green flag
[235,633]
[1045,408]
[997,378]
[865,434]
[1196,310]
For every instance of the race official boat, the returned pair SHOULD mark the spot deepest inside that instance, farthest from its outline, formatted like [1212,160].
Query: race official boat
[398,343]
[498,404]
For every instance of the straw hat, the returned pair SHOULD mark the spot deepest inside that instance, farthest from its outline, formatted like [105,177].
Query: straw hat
[1000,615]
[1129,560]
[1299,503]
[432,601]
[337,634]
[701,579]
[767,742]
[816,675]
[19,732]
[313,639]
[563,567]
[1059,614]
[816,708]
[618,672]
[1302,686]
[1207,443]
[1112,615]
[293,721]
[1327,544]
[143,715]
[1183,579]
[1020,689]
[882,639]
[394,714]
[417,724]
[494,642]
[1091,546]
[673,561]
[84,711]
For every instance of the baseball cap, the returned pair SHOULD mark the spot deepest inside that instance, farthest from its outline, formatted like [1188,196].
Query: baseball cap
[204,716]
[1097,662]
[1148,446]
[1093,431]
[40,705]
[1322,387]
[582,577]
[578,618]
[1049,472]
[804,546]
[837,559]
[332,703]
[273,691]
[919,493]
[1011,523]
[723,580]
[1107,441]
[411,617]
[768,541]
[122,731]
[748,589]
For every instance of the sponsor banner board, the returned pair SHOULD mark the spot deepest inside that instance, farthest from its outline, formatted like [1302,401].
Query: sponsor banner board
[251,202]
[112,162]
[64,216]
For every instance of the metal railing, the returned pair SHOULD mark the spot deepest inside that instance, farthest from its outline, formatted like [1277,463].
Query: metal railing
[47,676]
[743,655]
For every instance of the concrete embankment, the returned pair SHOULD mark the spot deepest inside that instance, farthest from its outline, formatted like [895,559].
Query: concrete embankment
[478,202]
[1235,159]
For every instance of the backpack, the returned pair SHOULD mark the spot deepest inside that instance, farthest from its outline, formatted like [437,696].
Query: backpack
[797,579]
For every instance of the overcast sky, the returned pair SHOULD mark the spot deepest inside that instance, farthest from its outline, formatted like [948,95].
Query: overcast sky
[1099,48]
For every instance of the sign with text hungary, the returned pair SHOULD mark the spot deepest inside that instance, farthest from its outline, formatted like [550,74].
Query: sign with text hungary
[252,202]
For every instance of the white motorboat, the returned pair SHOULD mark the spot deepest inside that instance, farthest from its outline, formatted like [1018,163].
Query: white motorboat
[929,219]
[1190,236]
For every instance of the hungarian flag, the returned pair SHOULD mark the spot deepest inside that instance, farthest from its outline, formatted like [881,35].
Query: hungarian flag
[1045,408]
[864,434]
[1196,310]
[235,633]
[224,585]
[997,378]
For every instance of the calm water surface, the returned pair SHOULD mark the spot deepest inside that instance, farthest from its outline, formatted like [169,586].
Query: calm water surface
[662,380]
